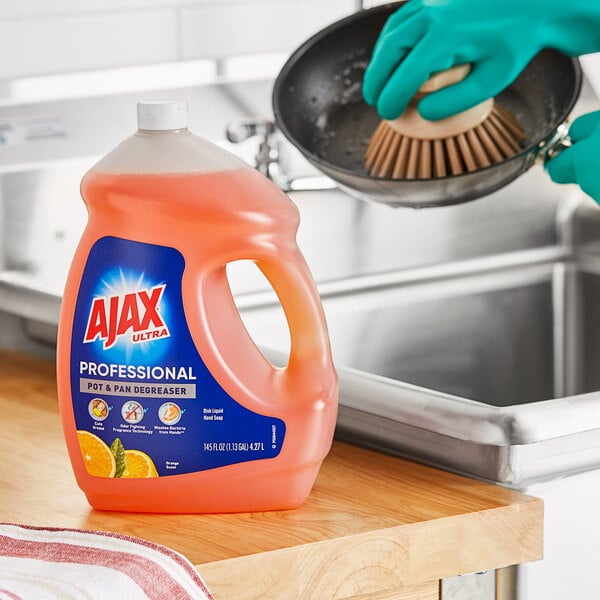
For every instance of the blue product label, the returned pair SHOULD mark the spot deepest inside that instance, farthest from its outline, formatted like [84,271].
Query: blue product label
[145,403]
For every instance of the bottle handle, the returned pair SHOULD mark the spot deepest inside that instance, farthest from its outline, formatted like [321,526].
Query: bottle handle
[233,357]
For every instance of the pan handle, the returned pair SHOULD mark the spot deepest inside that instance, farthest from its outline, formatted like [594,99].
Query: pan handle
[268,158]
[555,144]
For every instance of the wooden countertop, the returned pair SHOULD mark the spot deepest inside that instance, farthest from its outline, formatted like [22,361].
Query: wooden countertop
[374,526]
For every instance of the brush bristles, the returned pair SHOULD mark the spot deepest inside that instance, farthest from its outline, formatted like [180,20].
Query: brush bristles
[393,155]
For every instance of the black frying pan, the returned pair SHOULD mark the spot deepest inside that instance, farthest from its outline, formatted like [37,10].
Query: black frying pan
[317,102]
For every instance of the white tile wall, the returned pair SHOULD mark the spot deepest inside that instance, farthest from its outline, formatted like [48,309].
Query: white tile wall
[39,8]
[39,37]
[219,29]
[79,42]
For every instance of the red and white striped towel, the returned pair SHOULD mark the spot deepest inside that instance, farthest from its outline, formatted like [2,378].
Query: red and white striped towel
[41,563]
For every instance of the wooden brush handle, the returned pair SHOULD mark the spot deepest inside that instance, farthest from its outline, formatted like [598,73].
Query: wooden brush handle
[411,124]
[443,79]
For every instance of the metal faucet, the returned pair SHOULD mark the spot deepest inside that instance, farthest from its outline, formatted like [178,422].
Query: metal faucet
[268,158]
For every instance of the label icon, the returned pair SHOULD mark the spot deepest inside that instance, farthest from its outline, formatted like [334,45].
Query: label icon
[98,409]
[169,413]
[132,412]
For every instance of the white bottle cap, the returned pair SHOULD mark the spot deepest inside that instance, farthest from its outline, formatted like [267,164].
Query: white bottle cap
[160,115]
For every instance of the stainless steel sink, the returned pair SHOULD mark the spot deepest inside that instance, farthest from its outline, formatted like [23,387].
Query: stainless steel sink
[485,366]
[464,337]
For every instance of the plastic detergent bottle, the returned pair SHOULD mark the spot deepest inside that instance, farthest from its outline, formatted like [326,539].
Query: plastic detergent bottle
[167,403]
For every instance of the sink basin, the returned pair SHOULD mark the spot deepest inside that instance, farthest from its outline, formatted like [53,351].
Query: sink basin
[487,367]
[496,378]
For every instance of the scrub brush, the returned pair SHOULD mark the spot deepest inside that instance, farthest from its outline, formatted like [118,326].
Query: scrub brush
[411,147]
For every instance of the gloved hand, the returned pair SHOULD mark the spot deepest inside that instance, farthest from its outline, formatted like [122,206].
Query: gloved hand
[581,162]
[497,37]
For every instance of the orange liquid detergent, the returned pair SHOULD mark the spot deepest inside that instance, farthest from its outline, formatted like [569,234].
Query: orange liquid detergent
[166,402]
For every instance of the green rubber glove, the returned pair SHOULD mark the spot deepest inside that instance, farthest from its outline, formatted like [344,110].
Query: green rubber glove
[581,162]
[497,37]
